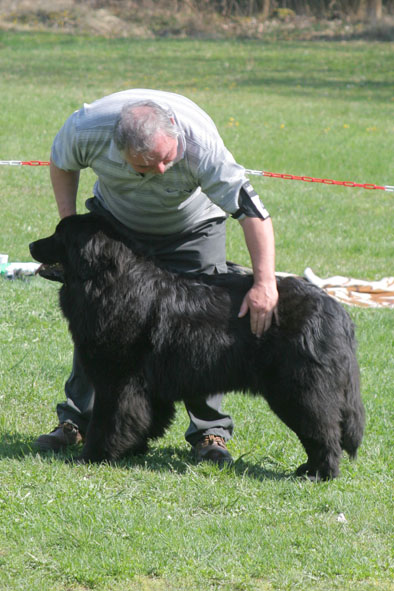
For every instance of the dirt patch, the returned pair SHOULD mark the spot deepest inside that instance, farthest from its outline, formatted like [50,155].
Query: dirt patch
[150,18]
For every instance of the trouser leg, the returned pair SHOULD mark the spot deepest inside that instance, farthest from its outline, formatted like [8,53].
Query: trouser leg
[79,391]
[207,418]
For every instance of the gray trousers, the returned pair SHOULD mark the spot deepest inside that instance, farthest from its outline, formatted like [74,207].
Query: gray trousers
[202,250]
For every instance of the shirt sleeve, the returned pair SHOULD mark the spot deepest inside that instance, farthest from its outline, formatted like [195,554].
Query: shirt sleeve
[220,177]
[67,152]
[225,183]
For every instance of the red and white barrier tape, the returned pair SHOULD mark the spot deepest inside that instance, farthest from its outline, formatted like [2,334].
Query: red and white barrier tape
[310,179]
[22,163]
[274,175]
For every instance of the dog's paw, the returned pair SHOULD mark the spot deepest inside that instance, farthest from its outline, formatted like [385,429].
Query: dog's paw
[305,471]
[302,470]
[141,450]
[316,475]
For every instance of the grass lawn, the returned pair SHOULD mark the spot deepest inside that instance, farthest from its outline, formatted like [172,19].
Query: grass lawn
[160,522]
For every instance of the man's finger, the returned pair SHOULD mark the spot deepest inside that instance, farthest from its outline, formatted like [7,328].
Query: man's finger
[244,309]
[256,324]
[262,324]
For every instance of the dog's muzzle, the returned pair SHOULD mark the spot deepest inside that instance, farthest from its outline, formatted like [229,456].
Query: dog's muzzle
[53,272]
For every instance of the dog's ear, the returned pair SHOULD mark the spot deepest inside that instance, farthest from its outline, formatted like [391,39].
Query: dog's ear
[90,246]
[85,246]
[97,253]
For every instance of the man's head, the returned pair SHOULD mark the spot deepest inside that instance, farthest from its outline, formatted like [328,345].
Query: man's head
[147,136]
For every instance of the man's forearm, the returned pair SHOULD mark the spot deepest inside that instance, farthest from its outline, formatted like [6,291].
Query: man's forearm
[261,300]
[65,187]
[259,238]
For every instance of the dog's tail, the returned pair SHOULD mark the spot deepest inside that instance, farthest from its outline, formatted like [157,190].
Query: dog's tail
[353,418]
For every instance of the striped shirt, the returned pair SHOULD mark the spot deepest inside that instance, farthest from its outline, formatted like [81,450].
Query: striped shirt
[203,183]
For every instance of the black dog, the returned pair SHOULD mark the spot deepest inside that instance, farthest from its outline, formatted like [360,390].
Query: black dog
[148,337]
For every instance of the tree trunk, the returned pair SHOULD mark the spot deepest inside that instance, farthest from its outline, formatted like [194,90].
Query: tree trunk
[370,10]
[265,12]
[374,9]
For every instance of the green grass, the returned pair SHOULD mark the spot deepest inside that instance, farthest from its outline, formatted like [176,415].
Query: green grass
[160,522]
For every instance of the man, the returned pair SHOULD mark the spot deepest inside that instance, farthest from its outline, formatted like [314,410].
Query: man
[165,178]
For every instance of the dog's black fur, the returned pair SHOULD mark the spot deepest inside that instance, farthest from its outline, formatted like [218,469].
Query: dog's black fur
[148,337]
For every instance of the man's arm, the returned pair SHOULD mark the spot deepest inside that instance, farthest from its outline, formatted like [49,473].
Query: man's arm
[65,187]
[261,300]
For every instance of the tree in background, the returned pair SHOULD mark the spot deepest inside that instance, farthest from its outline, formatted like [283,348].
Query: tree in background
[372,9]
[366,9]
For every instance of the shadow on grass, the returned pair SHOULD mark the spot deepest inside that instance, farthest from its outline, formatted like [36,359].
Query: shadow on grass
[19,446]
[180,460]
[160,459]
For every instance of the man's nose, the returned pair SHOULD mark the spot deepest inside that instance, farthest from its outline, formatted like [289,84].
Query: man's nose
[161,168]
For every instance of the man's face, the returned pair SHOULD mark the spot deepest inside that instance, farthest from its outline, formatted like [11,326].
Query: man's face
[160,159]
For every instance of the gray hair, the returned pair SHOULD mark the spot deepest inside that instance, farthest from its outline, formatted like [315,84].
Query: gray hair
[136,131]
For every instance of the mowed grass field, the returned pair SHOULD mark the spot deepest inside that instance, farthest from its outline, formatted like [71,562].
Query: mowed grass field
[161,522]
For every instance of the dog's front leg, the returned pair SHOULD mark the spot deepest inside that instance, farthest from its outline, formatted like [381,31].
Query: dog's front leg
[120,423]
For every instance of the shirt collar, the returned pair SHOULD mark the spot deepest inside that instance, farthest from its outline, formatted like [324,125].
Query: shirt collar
[114,154]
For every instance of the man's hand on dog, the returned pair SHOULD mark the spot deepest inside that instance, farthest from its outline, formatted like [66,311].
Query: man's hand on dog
[261,301]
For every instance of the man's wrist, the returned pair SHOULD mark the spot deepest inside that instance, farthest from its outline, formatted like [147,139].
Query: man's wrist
[263,281]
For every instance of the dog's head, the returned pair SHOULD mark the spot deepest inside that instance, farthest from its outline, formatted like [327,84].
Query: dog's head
[74,249]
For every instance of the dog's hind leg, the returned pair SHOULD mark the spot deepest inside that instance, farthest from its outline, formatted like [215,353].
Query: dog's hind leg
[121,422]
[323,458]
[318,429]
[336,422]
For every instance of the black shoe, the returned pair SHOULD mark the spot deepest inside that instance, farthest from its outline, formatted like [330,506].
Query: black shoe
[212,448]
[62,436]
